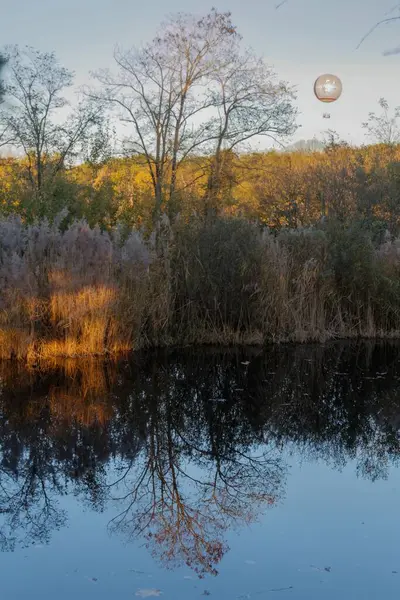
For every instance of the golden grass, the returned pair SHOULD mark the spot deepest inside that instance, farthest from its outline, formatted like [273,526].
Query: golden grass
[100,320]
[15,343]
[225,286]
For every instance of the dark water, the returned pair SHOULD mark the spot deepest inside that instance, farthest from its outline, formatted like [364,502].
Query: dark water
[236,475]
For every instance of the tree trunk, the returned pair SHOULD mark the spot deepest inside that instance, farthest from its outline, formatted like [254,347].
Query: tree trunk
[213,186]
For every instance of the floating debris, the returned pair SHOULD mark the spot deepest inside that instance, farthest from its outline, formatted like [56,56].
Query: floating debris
[248,596]
[136,571]
[147,593]
[250,562]
[327,569]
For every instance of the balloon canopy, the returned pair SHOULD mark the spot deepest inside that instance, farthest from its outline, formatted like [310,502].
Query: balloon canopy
[327,88]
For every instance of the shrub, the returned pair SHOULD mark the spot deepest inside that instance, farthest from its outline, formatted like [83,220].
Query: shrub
[71,290]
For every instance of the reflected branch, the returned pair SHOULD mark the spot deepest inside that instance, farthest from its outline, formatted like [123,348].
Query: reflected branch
[181,470]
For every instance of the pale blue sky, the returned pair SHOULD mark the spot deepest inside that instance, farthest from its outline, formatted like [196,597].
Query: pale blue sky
[302,39]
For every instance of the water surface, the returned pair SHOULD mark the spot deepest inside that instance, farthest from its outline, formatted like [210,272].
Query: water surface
[240,474]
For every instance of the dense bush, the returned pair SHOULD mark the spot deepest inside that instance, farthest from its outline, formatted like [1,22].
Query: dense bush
[79,290]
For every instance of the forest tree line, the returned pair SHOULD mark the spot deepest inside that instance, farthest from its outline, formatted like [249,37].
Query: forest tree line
[277,189]
[191,101]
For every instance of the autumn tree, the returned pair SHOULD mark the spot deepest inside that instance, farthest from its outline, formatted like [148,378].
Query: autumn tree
[190,92]
[248,103]
[159,90]
[35,90]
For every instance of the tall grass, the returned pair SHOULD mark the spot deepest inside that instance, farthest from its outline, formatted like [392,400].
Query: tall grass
[81,291]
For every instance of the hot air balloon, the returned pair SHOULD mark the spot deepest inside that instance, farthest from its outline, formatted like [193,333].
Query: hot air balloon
[328,88]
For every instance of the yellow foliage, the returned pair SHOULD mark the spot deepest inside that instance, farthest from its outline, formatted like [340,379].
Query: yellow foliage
[274,188]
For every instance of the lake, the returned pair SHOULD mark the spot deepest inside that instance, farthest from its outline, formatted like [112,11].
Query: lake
[233,474]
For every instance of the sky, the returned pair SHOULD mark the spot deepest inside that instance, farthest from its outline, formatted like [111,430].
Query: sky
[301,39]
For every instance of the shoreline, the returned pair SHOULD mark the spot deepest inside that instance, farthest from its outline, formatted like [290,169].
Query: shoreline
[218,346]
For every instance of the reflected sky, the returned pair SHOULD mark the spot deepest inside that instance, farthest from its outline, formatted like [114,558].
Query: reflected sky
[239,475]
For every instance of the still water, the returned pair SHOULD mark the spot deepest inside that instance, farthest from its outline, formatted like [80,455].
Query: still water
[180,475]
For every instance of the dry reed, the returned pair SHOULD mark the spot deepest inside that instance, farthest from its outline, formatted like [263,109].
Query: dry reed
[84,292]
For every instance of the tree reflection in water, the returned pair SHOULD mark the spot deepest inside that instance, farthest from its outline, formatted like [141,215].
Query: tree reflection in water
[179,466]
[182,493]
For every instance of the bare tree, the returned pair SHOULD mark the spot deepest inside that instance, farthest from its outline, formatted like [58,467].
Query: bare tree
[174,92]
[161,90]
[5,133]
[383,128]
[248,103]
[34,90]
[3,62]
[388,18]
